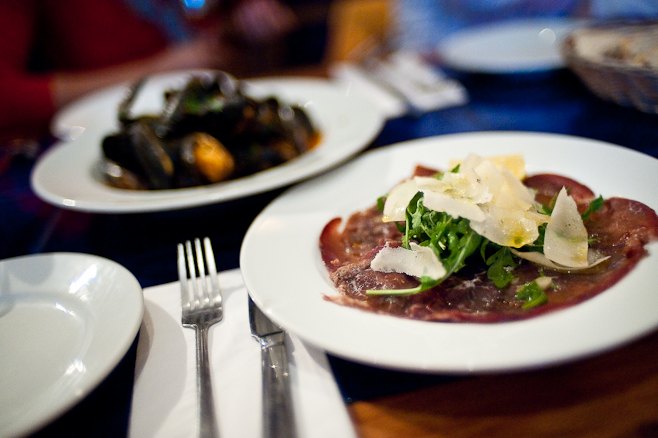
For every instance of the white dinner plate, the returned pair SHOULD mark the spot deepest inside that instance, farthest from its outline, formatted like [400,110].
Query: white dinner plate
[284,273]
[68,175]
[66,320]
[515,46]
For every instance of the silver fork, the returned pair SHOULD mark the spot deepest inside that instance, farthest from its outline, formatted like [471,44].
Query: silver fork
[201,309]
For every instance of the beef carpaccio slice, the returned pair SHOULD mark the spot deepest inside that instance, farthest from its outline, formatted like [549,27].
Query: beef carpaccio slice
[621,229]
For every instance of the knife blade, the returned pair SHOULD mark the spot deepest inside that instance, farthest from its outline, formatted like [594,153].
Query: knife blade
[278,416]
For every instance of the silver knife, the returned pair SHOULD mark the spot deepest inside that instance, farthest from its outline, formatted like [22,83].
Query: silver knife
[278,417]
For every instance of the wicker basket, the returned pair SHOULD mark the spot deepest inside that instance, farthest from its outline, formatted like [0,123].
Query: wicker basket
[612,79]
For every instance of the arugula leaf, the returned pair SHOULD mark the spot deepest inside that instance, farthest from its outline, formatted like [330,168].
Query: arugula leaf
[544,209]
[533,294]
[501,264]
[467,245]
[413,215]
[593,206]
[381,201]
[452,240]
[425,283]
[462,242]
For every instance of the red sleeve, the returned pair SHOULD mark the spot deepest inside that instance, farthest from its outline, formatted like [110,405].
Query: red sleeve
[26,105]
[74,35]
[25,98]
[91,34]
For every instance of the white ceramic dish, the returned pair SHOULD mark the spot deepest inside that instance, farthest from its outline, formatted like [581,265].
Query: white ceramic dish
[68,174]
[515,46]
[283,271]
[66,320]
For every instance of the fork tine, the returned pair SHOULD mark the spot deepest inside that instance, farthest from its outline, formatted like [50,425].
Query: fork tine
[194,299]
[182,275]
[203,292]
[214,294]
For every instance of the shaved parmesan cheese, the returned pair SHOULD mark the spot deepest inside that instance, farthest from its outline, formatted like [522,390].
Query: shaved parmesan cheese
[454,207]
[488,194]
[511,217]
[489,175]
[515,163]
[525,196]
[507,227]
[466,186]
[565,241]
[457,194]
[540,259]
[398,200]
[419,261]
[544,282]
[507,199]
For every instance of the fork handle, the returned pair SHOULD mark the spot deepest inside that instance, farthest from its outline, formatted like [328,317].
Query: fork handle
[207,420]
[279,421]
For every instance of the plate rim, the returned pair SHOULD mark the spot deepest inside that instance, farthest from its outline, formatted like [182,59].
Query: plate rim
[306,166]
[447,47]
[281,314]
[32,421]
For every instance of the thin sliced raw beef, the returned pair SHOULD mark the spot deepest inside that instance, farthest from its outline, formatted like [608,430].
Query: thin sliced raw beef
[621,229]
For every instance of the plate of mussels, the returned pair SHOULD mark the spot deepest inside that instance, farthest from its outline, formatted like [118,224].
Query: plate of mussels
[194,138]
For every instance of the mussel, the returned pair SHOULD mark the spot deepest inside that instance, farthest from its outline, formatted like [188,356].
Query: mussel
[205,159]
[143,153]
[209,131]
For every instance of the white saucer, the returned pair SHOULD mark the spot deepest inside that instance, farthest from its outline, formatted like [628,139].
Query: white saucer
[66,320]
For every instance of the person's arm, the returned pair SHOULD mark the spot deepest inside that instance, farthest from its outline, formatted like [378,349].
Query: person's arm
[25,99]
[29,100]
[254,21]
[204,52]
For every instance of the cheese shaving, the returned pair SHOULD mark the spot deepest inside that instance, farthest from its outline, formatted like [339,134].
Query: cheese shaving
[454,207]
[419,261]
[398,200]
[496,202]
[565,241]
[540,259]
[499,208]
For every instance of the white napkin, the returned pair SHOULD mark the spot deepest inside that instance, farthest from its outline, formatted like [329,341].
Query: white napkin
[402,82]
[164,396]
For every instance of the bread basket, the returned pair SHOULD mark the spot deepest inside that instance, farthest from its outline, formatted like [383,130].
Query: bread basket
[617,61]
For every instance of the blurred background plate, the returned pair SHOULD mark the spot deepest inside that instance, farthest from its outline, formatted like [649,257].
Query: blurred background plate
[514,46]
[68,175]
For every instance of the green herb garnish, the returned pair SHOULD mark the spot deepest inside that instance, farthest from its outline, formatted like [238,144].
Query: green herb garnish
[380,202]
[452,240]
[533,294]
[593,206]
[501,264]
